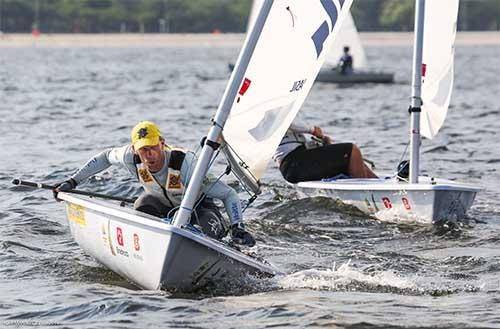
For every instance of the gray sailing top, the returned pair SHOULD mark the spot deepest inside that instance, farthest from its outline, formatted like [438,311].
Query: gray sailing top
[294,137]
[124,157]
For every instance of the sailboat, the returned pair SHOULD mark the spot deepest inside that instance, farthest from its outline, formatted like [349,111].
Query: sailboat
[420,198]
[255,110]
[349,36]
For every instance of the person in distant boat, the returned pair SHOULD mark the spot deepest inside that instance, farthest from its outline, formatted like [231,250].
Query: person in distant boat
[301,160]
[345,62]
[164,172]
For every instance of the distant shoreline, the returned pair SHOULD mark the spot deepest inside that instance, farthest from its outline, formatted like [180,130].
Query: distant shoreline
[136,40]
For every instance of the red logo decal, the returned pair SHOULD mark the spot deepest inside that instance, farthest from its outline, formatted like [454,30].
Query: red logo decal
[119,236]
[244,86]
[137,246]
[387,203]
[406,203]
[424,69]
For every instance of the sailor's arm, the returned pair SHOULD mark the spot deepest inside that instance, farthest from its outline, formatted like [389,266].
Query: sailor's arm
[122,156]
[314,130]
[94,165]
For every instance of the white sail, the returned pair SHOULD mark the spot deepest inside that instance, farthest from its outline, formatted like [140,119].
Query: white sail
[440,26]
[348,36]
[282,69]
[254,11]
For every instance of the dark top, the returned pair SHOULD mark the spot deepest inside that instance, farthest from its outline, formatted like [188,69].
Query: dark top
[345,64]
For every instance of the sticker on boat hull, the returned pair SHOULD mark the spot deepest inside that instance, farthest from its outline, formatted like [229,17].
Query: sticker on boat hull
[110,241]
[137,245]
[387,203]
[76,214]
[119,236]
[406,203]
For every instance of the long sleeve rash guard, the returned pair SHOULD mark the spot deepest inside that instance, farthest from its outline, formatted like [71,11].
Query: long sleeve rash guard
[124,157]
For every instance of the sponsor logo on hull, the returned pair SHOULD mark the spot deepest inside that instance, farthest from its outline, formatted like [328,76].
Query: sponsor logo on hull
[137,245]
[406,203]
[121,252]
[76,214]
[387,203]
[119,236]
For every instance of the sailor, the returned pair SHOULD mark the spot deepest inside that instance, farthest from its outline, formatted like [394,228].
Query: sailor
[345,62]
[164,172]
[300,159]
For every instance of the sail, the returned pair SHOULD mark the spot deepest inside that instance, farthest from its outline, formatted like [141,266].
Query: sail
[440,26]
[254,11]
[348,36]
[287,57]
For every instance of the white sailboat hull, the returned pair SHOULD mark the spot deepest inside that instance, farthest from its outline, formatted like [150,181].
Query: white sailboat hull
[332,75]
[429,201]
[153,254]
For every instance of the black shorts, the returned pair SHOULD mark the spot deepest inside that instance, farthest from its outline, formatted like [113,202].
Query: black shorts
[315,164]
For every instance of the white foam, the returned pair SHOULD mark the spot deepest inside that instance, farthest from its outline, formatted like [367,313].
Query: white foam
[332,279]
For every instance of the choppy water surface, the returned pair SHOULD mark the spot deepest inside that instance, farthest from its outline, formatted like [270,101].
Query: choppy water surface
[60,106]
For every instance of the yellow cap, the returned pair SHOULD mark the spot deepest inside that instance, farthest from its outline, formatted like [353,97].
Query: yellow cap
[145,133]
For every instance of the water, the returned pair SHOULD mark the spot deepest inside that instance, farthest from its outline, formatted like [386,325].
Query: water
[60,106]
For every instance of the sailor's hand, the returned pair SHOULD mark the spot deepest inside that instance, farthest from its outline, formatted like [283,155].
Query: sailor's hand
[241,236]
[64,187]
[316,131]
[327,139]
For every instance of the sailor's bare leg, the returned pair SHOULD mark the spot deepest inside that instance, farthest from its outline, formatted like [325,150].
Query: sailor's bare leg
[357,167]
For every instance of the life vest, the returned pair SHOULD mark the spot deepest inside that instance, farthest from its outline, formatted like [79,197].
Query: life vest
[299,138]
[171,193]
[293,138]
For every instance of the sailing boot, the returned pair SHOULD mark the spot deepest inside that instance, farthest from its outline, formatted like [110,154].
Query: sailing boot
[241,236]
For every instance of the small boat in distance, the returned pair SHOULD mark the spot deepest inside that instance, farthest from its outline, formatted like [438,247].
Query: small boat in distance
[362,72]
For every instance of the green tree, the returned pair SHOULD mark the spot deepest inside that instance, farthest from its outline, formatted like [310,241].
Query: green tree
[209,15]
[398,15]
[479,15]
[366,14]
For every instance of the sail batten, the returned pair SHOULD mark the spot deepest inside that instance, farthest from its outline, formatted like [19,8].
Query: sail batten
[287,57]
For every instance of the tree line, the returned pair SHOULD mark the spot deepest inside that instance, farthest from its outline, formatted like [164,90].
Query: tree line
[196,16]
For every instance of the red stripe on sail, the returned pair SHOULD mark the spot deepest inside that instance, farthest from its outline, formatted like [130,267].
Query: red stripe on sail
[245,86]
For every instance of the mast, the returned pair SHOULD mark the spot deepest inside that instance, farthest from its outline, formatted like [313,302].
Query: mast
[416,100]
[183,216]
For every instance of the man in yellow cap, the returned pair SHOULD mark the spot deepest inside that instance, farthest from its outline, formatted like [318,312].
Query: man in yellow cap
[164,173]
